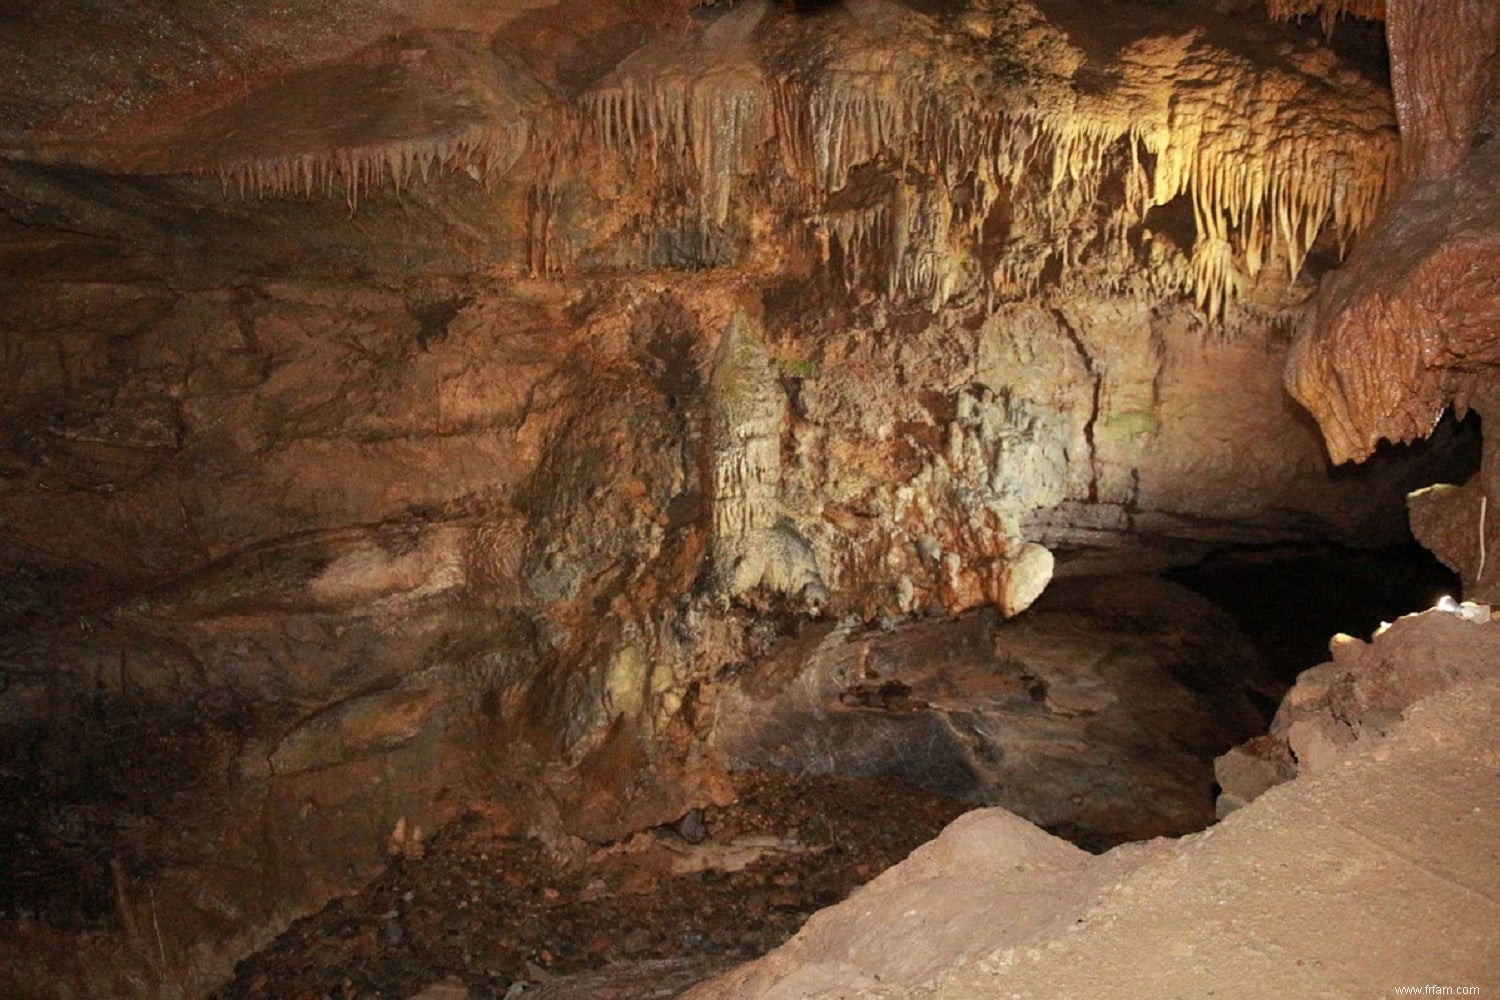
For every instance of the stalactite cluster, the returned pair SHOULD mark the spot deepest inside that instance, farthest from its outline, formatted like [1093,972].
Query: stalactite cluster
[393,115]
[1327,11]
[898,137]
[952,122]
[482,152]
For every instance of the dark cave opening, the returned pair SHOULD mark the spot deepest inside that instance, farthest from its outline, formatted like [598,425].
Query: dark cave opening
[1289,603]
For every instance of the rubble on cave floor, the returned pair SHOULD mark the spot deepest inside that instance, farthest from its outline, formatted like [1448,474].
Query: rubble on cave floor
[488,914]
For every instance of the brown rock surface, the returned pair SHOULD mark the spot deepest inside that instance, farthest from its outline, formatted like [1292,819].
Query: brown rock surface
[1411,325]
[1094,715]
[1444,76]
[935,907]
[99,84]
[1361,693]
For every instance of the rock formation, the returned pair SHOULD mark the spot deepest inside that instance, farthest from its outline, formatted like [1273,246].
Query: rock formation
[1359,695]
[1089,716]
[1411,325]
[754,545]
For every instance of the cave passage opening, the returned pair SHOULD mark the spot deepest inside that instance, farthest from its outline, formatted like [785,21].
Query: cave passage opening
[1290,603]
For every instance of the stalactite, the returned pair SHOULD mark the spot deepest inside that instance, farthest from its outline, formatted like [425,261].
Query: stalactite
[702,110]
[1270,158]
[482,151]
[393,114]
[1327,11]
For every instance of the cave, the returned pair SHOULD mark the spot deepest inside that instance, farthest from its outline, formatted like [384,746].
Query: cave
[749,499]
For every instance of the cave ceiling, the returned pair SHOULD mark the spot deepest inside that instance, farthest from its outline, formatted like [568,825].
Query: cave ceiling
[976,145]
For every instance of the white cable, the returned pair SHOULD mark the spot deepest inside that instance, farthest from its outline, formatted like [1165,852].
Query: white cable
[1483,505]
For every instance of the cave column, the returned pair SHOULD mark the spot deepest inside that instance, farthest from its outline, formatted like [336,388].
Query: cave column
[1445,77]
[1443,74]
[1410,325]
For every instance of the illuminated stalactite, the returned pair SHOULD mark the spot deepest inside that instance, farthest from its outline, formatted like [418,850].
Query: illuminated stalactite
[1270,158]
[701,105]
[1327,11]
[944,117]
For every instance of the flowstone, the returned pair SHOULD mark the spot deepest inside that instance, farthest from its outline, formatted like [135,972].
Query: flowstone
[755,546]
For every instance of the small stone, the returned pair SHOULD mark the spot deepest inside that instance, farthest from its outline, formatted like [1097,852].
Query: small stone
[691,827]
[1346,649]
[1023,578]
[636,941]
[1247,771]
[1312,746]
[451,988]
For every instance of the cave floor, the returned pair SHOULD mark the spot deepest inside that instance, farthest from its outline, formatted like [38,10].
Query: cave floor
[483,916]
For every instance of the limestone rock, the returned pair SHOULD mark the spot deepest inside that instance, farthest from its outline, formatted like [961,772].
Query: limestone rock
[1411,325]
[1410,320]
[1215,913]
[1023,578]
[1359,696]
[754,545]
[446,102]
[451,988]
[1248,770]
[986,861]
[1453,523]
[359,727]
[379,511]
